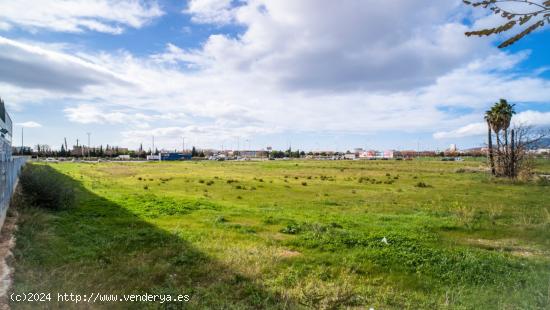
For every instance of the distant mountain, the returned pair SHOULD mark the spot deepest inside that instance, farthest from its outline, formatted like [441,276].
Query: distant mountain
[542,144]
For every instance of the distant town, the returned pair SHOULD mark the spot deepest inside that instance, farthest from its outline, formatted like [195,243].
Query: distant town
[82,152]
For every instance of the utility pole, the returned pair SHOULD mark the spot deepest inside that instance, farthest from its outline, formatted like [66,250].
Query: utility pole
[88,133]
[22,139]
[153,149]
[183,145]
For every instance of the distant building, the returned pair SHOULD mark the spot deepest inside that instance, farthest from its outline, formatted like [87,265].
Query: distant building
[174,156]
[377,154]
[452,148]
[253,154]
[350,156]
[124,157]
[476,151]
[153,157]
[409,154]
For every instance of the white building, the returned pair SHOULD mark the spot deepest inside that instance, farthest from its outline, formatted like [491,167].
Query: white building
[350,156]
[453,148]
[153,157]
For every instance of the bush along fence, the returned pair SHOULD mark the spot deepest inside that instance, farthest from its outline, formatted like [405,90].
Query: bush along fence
[10,168]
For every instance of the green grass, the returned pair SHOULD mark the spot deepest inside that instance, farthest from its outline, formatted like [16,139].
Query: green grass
[293,234]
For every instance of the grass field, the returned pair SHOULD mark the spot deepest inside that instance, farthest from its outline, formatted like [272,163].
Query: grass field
[293,234]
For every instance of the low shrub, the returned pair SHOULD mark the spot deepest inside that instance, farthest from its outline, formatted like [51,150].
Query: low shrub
[543,180]
[422,185]
[291,228]
[42,187]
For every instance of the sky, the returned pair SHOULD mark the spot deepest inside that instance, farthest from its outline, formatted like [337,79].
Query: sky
[311,74]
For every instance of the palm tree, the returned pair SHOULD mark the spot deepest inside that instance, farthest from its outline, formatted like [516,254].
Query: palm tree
[489,118]
[498,119]
[506,111]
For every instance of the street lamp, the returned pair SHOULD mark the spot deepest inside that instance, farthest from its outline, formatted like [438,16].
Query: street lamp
[88,133]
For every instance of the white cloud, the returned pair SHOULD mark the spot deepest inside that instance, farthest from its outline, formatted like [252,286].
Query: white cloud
[4,26]
[94,114]
[526,118]
[30,66]
[108,16]
[88,114]
[173,55]
[475,129]
[532,118]
[29,124]
[328,46]
[210,11]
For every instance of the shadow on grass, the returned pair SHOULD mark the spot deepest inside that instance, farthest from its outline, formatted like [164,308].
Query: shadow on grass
[100,247]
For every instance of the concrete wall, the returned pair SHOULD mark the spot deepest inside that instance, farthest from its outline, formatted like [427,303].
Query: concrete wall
[10,168]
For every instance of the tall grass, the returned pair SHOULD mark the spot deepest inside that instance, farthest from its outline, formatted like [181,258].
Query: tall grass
[44,189]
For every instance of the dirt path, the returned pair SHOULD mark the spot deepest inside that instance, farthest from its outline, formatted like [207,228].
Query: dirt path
[7,241]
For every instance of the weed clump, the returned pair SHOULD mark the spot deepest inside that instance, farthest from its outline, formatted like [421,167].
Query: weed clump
[327,178]
[220,219]
[542,181]
[422,185]
[291,228]
[304,183]
[43,188]
[270,220]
